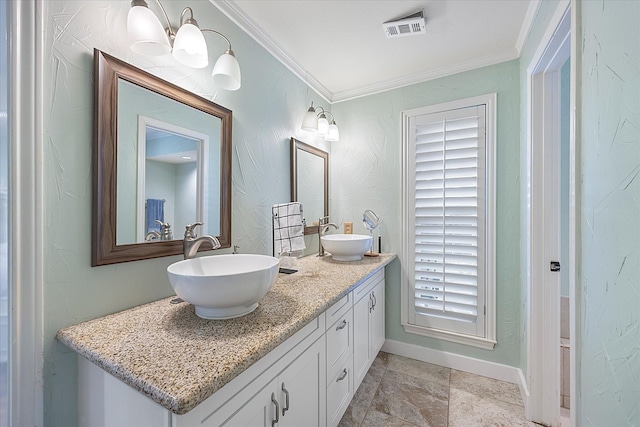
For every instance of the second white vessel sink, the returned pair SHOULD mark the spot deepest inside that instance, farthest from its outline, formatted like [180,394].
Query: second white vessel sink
[346,247]
[224,286]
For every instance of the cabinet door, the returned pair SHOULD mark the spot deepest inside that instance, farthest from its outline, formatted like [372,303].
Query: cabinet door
[361,336]
[339,393]
[376,320]
[258,411]
[301,389]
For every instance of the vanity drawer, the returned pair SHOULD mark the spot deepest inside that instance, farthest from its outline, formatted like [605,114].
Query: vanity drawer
[339,393]
[367,285]
[337,310]
[339,340]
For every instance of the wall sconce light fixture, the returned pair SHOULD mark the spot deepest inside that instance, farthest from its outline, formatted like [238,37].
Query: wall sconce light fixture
[317,122]
[187,44]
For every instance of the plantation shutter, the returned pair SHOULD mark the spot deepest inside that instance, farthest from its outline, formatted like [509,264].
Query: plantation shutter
[448,226]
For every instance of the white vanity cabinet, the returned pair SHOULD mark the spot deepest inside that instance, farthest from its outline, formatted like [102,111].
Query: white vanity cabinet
[296,367]
[307,380]
[368,325]
[294,398]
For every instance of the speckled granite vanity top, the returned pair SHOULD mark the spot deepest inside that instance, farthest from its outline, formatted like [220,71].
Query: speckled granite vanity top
[177,359]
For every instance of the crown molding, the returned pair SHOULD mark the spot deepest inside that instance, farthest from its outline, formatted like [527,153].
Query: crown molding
[504,56]
[532,11]
[233,12]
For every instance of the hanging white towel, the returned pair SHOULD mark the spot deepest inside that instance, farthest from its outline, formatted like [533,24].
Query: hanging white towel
[288,228]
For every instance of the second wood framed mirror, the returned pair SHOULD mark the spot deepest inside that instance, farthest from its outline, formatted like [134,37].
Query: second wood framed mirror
[310,182]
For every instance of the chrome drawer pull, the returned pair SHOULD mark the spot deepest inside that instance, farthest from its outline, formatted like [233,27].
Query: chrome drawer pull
[275,402]
[342,376]
[342,325]
[285,408]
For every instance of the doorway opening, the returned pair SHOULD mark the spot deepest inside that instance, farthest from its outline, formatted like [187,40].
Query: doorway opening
[551,225]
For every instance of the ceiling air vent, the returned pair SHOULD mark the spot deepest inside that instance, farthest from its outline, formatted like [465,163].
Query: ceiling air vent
[411,25]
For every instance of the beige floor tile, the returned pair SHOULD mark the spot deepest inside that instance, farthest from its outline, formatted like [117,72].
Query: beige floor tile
[364,394]
[353,416]
[379,419]
[470,410]
[415,400]
[382,359]
[486,387]
[418,369]
[401,392]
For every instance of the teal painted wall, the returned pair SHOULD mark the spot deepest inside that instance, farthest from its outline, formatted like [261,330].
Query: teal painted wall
[366,174]
[609,248]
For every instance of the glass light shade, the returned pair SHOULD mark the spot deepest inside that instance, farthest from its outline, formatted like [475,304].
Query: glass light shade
[146,34]
[310,121]
[226,72]
[189,47]
[323,125]
[333,134]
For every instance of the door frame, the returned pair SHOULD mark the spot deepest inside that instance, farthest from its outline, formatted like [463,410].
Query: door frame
[543,197]
[26,212]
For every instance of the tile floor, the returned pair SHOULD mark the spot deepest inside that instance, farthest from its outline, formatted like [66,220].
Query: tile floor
[401,392]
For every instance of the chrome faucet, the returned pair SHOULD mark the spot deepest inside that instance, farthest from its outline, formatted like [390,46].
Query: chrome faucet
[192,242]
[164,233]
[323,226]
[152,235]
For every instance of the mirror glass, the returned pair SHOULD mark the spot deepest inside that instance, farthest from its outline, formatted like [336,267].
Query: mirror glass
[310,181]
[167,149]
[370,220]
[161,154]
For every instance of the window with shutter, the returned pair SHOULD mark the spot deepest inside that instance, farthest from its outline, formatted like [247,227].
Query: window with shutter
[449,215]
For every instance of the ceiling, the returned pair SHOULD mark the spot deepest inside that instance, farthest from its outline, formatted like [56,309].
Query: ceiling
[340,49]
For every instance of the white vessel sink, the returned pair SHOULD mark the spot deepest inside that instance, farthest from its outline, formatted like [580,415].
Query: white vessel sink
[346,247]
[224,286]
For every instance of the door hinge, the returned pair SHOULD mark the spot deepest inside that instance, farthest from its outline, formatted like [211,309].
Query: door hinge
[485,310]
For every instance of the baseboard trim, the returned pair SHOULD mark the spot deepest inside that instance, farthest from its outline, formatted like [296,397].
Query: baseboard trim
[461,363]
[524,393]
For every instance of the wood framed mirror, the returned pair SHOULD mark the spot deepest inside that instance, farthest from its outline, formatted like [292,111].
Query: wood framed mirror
[310,182]
[160,151]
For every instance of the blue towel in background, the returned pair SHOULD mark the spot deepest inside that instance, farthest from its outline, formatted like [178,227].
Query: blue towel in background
[155,211]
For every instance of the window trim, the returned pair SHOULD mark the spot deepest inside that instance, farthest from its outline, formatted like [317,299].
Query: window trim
[487,342]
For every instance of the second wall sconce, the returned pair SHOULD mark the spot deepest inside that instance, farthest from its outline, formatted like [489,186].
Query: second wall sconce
[317,122]
[187,44]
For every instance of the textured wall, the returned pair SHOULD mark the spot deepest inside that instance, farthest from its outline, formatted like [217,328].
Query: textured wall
[366,174]
[610,210]
[267,111]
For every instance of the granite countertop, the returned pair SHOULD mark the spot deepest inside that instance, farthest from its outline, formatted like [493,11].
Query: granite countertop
[178,360]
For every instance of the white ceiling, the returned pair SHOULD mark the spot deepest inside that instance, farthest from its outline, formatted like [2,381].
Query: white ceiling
[340,49]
